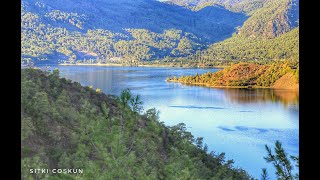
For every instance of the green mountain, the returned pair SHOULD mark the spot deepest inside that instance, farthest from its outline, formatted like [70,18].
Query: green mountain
[241,48]
[132,32]
[119,30]
[273,19]
[270,33]
[268,18]
[65,125]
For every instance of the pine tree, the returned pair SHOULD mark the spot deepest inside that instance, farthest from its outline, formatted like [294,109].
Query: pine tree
[281,162]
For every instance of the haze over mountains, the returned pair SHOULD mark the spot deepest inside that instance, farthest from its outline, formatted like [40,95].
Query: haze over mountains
[143,30]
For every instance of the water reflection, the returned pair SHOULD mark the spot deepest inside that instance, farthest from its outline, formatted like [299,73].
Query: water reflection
[285,97]
[258,95]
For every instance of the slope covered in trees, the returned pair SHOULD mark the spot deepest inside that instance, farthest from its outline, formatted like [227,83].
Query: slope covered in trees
[107,30]
[270,33]
[240,48]
[275,18]
[65,125]
[268,18]
[210,32]
[117,15]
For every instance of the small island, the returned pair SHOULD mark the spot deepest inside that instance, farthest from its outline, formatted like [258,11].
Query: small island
[277,75]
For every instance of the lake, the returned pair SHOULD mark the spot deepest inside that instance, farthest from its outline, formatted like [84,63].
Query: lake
[238,122]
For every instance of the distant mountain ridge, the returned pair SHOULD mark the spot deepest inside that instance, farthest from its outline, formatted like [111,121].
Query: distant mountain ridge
[273,19]
[270,33]
[268,18]
[211,24]
[129,30]
[133,31]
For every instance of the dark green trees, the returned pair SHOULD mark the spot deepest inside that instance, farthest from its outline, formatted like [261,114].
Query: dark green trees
[127,99]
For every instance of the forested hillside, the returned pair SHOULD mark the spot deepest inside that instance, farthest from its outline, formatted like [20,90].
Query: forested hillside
[270,33]
[201,32]
[275,18]
[65,125]
[240,48]
[122,30]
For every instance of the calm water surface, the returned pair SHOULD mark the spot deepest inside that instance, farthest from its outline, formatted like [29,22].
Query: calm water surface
[238,122]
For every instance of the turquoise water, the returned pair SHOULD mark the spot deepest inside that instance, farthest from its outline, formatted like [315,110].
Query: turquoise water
[238,122]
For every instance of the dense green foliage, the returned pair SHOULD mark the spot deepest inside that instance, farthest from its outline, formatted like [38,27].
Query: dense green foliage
[116,31]
[243,74]
[42,42]
[282,163]
[270,33]
[215,32]
[273,19]
[65,125]
[239,48]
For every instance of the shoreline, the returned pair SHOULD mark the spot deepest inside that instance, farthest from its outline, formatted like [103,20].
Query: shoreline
[142,65]
[232,87]
[91,64]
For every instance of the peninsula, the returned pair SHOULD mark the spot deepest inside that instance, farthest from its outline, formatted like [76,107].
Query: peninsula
[278,75]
